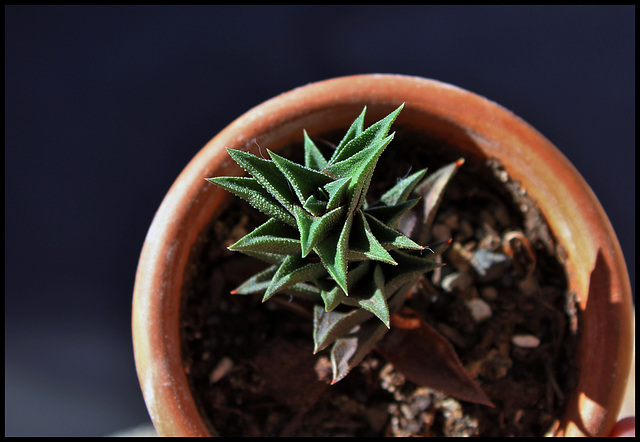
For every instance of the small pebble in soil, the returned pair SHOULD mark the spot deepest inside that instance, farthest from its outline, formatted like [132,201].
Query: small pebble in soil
[480,310]
[489,265]
[221,369]
[456,281]
[525,341]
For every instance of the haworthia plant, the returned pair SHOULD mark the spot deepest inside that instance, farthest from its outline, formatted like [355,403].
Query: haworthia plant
[325,242]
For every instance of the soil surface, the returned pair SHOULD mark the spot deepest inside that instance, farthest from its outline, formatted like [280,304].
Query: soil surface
[501,300]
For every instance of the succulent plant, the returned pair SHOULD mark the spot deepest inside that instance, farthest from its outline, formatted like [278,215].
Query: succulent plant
[326,243]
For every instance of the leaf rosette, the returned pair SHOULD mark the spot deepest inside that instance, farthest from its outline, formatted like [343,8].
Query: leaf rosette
[324,242]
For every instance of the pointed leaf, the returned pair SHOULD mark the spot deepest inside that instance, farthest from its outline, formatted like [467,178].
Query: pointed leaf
[313,159]
[251,191]
[374,134]
[358,273]
[355,130]
[315,206]
[388,237]
[292,271]
[390,215]
[359,168]
[403,188]
[304,222]
[332,297]
[269,258]
[329,326]
[409,269]
[305,181]
[333,254]
[258,283]
[349,350]
[370,295]
[271,237]
[337,191]
[303,290]
[432,189]
[426,358]
[362,241]
[268,175]
[439,248]
[314,230]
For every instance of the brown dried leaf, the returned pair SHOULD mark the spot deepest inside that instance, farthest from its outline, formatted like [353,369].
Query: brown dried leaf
[426,358]
[431,190]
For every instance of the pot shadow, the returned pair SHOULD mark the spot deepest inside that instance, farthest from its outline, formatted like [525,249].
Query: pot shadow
[587,410]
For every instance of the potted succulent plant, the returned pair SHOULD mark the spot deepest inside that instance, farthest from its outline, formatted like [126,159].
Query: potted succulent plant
[321,203]
[326,244]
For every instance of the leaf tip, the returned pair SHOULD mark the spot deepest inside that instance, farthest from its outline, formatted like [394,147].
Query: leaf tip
[337,379]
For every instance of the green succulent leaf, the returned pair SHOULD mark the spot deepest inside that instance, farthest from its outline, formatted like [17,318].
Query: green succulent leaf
[303,290]
[328,326]
[354,131]
[409,268]
[359,167]
[371,296]
[268,175]
[332,297]
[258,283]
[403,188]
[305,181]
[389,237]
[364,243]
[372,136]
[313,158]
[269,258]
[333,252]
[251,191]
[315,206]
[390,215]
[337,192]
[292,271]
[314,229]
[271,237]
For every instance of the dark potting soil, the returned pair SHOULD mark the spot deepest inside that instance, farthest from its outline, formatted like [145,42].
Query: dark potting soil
[501,300]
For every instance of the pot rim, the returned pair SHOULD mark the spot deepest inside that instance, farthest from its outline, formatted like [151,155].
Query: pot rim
[579,224]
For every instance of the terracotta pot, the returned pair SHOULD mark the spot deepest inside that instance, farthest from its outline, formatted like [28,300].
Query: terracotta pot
[595,264]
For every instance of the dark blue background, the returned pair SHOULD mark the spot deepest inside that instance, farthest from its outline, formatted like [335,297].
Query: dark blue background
[106,105]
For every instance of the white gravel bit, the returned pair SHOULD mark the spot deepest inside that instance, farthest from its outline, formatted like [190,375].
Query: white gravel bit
[224,366]
[525,341]
[480,310]
[456,281]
